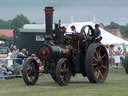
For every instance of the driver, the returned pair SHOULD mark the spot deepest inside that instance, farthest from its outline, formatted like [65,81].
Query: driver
[97,31]
[73,28]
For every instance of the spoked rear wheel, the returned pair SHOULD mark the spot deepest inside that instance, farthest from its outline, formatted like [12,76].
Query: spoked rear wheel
[30,71]
[63,72]
[126,64]
[96,63]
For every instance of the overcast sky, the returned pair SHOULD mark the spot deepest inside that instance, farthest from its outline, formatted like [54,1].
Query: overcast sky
[82,10]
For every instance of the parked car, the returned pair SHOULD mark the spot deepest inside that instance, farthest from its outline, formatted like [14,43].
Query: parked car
[4,52]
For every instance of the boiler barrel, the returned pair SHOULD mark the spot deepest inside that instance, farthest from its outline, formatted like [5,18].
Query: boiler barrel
[52,52]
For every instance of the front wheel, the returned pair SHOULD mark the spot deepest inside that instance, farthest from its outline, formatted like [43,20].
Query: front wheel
[53,76]
[96,63]
[30,71]
[63,72]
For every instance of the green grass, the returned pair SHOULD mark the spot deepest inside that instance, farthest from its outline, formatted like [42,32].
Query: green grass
[115,85]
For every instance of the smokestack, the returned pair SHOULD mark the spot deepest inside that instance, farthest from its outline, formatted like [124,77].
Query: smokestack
[48,22]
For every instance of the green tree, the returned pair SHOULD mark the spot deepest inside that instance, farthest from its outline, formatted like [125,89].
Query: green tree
[112,25]
[19,21]
[123,28]
[4,24]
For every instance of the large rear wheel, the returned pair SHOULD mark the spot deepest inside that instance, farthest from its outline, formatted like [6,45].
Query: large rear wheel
[126,64]
[30,71]
[63,72]
[96,63]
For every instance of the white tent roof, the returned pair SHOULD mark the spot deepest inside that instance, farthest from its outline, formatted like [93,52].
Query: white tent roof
[34,26]
[108,38]
[39,26]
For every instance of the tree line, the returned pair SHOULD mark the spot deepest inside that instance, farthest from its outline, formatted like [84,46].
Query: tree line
[16,22]
[20,20]
[123,28]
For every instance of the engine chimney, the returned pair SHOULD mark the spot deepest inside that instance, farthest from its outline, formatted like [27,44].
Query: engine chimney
[48,22]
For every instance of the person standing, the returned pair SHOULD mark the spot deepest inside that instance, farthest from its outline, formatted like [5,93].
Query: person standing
[112,53]
[120,53]
[15,52]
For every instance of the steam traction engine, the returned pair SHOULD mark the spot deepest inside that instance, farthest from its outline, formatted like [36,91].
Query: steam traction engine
[64,55]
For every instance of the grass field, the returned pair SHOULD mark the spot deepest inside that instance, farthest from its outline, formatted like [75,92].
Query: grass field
[115,85]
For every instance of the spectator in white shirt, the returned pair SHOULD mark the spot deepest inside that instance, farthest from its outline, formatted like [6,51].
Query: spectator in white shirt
[120,53]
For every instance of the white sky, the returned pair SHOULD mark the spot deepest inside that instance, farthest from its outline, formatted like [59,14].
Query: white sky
[81,10]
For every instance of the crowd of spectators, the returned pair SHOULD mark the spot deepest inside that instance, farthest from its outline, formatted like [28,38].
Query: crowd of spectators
[19,57]
[115,56]
[7,70]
